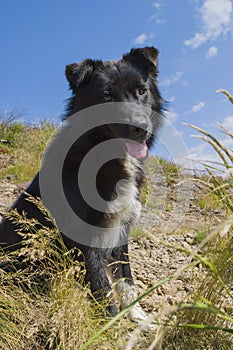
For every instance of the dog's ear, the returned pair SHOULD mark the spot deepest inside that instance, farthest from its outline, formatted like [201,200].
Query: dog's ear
[145,59]
[78,74]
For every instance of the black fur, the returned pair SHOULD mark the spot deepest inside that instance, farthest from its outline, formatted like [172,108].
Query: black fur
[131,79]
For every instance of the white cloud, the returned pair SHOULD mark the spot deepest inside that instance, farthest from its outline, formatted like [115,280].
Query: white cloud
[171,115]
[177,133]
[228,143]
[140,39]
[158,17]
[228,122]
[195,108]
[172,80]
[213,51]
[198,106]
[216,17]
[172,99]
[196,41]
[202,153]
[216,20]
[157,5]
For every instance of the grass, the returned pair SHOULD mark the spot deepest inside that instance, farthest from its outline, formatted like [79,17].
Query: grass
[211,308]
[137,233]
[22,144]
[47,305]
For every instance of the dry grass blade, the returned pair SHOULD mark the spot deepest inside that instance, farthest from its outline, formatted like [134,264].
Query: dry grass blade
[230,98]
[214,139]
[227,131]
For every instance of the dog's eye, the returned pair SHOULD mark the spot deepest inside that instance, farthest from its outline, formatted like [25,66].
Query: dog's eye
[141,91]
[107,96]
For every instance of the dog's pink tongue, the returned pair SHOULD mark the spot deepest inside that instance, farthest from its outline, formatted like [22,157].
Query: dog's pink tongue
[137,150]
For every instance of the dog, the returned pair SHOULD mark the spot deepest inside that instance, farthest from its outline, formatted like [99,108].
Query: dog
[132,83]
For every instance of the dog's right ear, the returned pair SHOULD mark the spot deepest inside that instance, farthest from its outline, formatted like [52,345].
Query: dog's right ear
[78,74]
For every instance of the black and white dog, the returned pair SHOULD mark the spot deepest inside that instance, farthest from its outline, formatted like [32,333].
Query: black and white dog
[131,80]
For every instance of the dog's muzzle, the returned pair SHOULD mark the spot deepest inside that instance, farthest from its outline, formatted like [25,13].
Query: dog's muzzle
[139,134]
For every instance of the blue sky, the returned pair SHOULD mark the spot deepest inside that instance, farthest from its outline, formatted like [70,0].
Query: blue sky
[194,37]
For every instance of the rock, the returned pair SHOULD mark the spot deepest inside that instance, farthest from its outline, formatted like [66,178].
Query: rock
[189,240]
[186,245]
[153,253]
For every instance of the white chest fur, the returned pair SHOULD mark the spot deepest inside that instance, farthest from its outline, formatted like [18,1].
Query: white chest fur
[126,207]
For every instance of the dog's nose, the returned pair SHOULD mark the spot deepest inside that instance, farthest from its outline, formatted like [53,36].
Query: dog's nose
[139,132]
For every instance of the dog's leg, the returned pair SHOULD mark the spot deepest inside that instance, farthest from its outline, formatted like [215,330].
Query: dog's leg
[121,276]
[97,277]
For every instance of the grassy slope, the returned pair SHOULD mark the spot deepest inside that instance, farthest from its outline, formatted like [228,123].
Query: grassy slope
[46,306]
[23,150]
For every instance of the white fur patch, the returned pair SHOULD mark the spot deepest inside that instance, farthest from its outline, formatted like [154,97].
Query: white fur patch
[126,294]
[126,207]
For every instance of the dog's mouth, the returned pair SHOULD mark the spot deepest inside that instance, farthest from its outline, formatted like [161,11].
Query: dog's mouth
[137,149]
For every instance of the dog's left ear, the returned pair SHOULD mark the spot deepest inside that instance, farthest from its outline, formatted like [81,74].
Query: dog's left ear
[145,59]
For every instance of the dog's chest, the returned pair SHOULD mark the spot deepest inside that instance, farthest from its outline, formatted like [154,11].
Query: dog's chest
[126,207]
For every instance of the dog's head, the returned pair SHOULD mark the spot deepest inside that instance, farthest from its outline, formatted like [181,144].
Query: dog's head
[132,79]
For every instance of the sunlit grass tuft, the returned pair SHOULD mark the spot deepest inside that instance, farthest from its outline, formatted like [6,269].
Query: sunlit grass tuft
[23,144]
[44,303]
[207,322]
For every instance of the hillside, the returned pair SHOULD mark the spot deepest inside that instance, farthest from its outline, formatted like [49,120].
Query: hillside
[179,211]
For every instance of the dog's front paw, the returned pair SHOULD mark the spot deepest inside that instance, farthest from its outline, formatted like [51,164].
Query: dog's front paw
[137,314]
